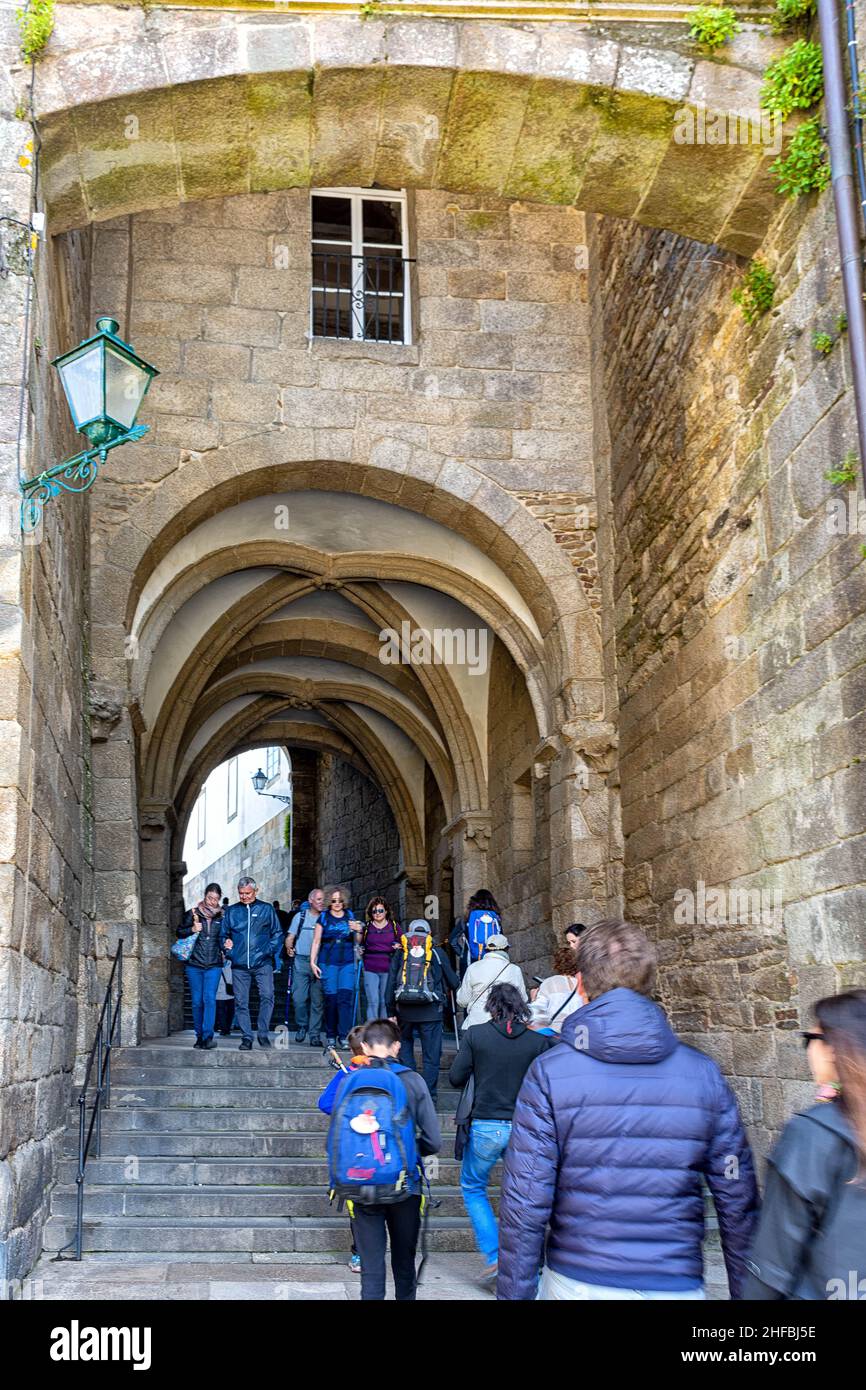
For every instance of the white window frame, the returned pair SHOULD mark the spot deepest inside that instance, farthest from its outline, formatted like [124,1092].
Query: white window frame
[272,754]
[231,789]
[201,817]
[357,197]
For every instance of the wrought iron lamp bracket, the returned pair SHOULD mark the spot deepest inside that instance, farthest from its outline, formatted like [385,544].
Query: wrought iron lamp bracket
[75,474]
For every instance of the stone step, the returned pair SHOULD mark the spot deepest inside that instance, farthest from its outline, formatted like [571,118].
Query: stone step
[259,1059]
[277,1078]
[218,1204]
[231,1171]
[257,1235]
[207,1119]
[230,1097]
[122,1128]
[193,1144]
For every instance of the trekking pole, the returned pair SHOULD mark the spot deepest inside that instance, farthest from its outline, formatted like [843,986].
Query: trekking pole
[289,980]
[357,992]
[454,1015]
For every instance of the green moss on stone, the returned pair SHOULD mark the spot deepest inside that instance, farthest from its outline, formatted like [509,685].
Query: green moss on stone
[484,123]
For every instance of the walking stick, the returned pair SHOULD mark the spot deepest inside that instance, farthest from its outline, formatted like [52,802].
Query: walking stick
[357,992]
[454,1016]
[289,979]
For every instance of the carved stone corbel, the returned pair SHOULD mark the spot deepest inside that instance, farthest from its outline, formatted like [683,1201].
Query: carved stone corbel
[106,709]
[475,827]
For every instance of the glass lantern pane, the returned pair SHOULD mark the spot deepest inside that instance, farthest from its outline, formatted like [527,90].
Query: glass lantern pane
[82,382]
[125,385]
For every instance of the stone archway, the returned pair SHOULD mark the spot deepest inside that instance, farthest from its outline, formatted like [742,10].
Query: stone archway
[538,111]
[200,594]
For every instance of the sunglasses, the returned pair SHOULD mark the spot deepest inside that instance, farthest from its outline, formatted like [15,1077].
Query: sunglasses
[377,911]
[810,1038]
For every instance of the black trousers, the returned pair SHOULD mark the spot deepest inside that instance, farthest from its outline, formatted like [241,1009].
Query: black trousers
[241,982]
[372,1225]
[431,1049]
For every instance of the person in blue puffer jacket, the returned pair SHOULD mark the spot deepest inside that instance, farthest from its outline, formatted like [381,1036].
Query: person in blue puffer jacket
[613,1129]
[252,938]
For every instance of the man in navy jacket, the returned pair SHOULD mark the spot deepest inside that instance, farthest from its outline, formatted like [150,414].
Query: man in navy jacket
[612,1131]
[252,938]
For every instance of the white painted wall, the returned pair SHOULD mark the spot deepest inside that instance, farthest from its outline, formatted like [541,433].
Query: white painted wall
[253,810]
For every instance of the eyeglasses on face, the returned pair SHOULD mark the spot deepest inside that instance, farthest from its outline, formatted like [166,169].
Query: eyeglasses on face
[377,910]
[810,1038]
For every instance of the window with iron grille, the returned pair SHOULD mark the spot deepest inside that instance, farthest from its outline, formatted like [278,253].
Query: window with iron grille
[360,286]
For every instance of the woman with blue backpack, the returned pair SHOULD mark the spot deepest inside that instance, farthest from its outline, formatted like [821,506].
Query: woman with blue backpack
[469,934]
[332,960]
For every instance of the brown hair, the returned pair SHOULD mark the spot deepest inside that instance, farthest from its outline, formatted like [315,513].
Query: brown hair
[381,1032]
[616,955]
[565,961]
[343,892]
[354,1037]
[378,901]
[843,1020]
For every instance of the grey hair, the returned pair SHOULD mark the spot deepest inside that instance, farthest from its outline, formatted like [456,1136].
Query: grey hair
[247,883]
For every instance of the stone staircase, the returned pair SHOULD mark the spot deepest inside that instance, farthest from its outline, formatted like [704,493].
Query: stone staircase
[212,1183]
[220,1154]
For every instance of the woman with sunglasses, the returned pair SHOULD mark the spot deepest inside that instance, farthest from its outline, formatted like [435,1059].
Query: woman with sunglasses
[381,938]
[811,1241]
[334,941]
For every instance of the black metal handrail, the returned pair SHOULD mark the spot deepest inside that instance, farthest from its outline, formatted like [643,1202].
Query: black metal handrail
[100,1052]
[343,282]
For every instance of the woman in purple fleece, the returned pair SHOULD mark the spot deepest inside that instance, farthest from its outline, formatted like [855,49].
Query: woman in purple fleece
[381,937]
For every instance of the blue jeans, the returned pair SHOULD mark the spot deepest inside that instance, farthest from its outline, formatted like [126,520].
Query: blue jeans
[488,1140]
[375,984]
[338,987]
[203,986]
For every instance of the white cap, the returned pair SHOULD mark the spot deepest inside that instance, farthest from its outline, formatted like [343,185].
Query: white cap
[497,942]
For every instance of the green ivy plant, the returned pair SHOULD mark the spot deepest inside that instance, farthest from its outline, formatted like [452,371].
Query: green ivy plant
[846,473]
[804,169]
[755,292]
[36,23]
[789,13]
[823,343]
[795,81]
[713,25]
[842,323]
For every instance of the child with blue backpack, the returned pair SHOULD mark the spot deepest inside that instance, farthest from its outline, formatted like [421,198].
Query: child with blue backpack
[326,1104]
[383,1125]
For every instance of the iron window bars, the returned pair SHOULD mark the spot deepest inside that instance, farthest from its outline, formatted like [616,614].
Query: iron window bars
[360,282]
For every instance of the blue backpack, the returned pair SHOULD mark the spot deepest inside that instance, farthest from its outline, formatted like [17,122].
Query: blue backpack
[483,922]
[372,1153]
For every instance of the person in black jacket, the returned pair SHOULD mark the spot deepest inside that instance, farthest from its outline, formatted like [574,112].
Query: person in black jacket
[420,1014]
[400,1221]
[498,1055]
[811,1240]
[205,964]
